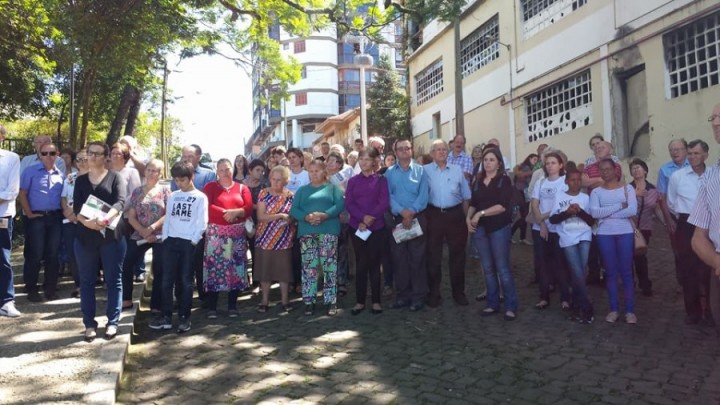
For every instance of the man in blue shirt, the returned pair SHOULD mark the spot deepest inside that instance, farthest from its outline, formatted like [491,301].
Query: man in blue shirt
[448,202]
[40,188]
[202,176]
[31,160]
[408,200]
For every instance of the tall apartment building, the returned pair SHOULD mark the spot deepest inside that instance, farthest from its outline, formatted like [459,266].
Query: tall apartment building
[559,71]
[329,85]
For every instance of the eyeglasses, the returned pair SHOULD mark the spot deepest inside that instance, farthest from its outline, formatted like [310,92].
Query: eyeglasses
[81,160]
[96,154]
[403,149]
[713,117]
[52,153]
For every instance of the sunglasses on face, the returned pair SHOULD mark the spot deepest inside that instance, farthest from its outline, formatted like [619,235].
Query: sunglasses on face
[53,153]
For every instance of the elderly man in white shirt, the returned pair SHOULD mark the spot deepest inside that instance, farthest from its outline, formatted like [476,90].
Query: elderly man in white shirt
[9,189]
[682,193]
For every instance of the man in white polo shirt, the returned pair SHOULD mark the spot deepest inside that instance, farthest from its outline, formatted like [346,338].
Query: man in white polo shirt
[9,189]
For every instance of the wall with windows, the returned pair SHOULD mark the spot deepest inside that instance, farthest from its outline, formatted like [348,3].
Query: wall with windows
[639,73]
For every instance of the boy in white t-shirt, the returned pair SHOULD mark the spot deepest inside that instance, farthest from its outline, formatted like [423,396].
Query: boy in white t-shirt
[186,218]
[573,225]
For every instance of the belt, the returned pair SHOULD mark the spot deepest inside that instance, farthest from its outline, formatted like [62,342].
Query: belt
[444,210]
[48,212]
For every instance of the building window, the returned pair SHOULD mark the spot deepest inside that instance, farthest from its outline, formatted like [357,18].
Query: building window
[429,82]
[560,108]
[301,99]
[286,46]
[480,47]
[299,46]
[691,56]
[539,14]
[303,72]
[436,132]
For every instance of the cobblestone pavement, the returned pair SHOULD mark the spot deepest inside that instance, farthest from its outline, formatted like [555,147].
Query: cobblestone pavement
[444,355]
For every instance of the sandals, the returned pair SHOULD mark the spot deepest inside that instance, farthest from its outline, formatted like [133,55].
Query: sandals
[542,304]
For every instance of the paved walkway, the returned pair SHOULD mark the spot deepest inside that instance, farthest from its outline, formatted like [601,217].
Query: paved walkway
[444,355]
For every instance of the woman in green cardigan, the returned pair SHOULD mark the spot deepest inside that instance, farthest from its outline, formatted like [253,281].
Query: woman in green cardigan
[317,207]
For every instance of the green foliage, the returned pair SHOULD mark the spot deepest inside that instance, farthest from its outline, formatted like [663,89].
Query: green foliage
[388,112]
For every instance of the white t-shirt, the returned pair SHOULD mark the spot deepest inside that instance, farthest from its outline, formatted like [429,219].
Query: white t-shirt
[186,216]
[545,191]
[572,230]
[298,180]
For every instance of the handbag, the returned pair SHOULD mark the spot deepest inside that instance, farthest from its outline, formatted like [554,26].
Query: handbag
[640,242]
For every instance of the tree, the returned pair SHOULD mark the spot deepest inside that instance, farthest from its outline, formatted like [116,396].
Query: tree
[388,112]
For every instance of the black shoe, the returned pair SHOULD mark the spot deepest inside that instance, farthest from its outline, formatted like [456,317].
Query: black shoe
[434,302]
[461,300]
[75,294]
[309,309]
[417,307]
[51,295]
[357,311]
[34,296]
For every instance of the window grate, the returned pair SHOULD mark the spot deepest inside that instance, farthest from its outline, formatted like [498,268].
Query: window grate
[560,108]
[539,14]
[692,56]
[429,82]
[480,47]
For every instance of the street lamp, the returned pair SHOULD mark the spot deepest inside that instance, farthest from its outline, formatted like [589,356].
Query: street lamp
[361,60]
[493,38]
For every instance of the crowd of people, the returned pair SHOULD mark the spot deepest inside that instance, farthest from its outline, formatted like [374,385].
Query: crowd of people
[304,219]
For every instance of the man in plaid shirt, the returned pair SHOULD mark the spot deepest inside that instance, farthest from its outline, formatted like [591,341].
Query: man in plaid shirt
[458,156]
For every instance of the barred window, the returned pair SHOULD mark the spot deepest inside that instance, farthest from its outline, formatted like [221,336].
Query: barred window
[539,14]
[480,47]
[429,82]
[560,108]
[299,46]
[301,99]
[691,56]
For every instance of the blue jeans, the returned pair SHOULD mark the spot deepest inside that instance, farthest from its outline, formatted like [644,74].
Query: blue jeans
[577,258]
[42,236]
[7,285]
[494,249]
[617,252]
[88,257]
[135,254]
[177,269]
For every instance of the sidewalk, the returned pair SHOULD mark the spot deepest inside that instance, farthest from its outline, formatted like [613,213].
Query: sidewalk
[43,357]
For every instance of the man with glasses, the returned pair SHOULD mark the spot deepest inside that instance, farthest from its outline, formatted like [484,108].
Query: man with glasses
[31,160]
[40,189]
[705,216]
[9,187]
[458,156]
[408,189]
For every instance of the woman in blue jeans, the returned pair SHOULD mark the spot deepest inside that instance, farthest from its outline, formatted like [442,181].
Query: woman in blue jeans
[574,227]
[489,218]
[613,205]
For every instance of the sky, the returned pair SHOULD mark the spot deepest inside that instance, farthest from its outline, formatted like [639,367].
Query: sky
[213,100]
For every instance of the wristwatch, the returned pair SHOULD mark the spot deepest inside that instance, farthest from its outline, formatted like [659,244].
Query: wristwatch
[482,213]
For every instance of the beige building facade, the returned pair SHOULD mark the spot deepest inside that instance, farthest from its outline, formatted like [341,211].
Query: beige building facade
[640,73]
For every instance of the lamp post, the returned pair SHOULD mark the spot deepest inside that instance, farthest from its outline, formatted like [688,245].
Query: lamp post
[361,60]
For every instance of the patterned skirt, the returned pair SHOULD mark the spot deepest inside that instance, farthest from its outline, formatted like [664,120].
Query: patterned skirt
[224,267]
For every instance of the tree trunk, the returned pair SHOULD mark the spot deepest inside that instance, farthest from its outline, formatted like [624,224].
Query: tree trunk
[133,115]
[127,100]
[86,102]
[61,118]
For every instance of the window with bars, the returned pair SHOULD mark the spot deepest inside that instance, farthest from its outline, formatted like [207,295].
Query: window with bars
[559,108]
[691,56]
[538,14]
[480,47]
[299,46]
[301,99]
[429,82]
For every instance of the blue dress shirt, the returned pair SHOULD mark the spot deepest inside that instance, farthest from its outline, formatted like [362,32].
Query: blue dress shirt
[665,173]
[43,187]
[448,186]
[408,188]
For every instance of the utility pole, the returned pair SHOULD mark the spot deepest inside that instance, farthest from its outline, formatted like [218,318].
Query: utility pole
[163,142]
[459,104]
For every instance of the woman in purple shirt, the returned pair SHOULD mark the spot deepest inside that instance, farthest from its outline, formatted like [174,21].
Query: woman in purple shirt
[366,200]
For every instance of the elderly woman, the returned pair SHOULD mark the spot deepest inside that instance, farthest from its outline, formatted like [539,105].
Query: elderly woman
[317,207]
[274,238]
[647,198]
[95,242]
[367,199]
[489,219]
[146,215]
[69,228]
[240,169]
[613,205]
[229,206]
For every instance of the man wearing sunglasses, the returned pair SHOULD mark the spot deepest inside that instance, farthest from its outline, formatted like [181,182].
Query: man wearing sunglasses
[40,189]
[31,160]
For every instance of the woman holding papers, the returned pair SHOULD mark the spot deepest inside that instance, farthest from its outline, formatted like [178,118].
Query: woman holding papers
[95,241]
[489,219]
[146,214]
[366,200]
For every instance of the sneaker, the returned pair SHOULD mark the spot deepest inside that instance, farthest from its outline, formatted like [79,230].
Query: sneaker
[160,322]
[212,314]
[630,318]
[233,313]
[9,310]
[184,325]
[111,331]
[90,334]
[34,296]
[612,317]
